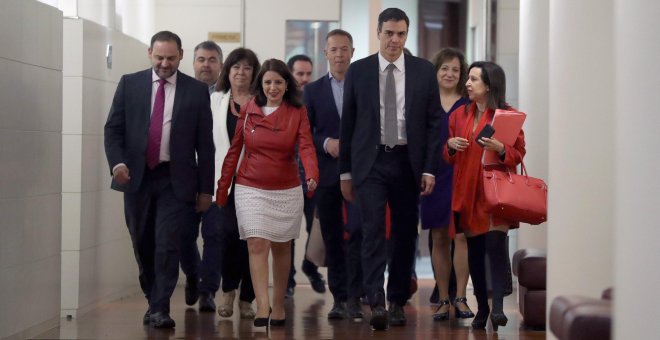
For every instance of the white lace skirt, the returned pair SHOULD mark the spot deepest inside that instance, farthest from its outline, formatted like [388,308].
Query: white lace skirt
[271,214]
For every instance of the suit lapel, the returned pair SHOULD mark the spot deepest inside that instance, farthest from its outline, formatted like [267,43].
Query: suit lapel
[374,85]
[179,94]
[147,86]
[326,91]
[409,86]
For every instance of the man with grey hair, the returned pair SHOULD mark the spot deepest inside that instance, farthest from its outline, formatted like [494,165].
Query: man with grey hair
[207,63]
[203,272]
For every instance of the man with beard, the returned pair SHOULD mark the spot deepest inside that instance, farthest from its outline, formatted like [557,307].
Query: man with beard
[159,146]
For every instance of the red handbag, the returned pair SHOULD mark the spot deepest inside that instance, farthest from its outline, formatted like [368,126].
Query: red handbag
[515,197]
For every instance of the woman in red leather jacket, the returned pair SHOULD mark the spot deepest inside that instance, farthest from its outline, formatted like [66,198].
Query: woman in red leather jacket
[269,196]
[486,234]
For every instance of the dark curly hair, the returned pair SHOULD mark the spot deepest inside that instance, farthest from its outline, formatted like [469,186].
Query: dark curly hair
[292,95]
[232,59]
[447,54]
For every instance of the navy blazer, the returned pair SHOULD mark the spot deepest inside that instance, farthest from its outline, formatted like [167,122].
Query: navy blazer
[360,123]
[191,140]
[324,122]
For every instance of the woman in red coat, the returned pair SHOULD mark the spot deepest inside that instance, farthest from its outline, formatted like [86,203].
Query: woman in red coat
[486,234]
[269,196]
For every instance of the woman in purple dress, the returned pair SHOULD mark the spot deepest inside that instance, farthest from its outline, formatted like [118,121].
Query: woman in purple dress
[436,216]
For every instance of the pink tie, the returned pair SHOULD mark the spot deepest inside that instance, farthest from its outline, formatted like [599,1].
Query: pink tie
[156,126]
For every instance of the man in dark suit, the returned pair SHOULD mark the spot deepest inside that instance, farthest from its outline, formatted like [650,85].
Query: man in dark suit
[324,99]
[203,272]
[159,146]
[389,149]
[301,68]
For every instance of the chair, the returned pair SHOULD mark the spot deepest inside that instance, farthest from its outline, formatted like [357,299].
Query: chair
[529,265]
[575,317]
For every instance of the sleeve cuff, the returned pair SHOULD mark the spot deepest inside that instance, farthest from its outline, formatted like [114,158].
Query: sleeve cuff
[427,174]
[116,166]
[325,144]
[345,176]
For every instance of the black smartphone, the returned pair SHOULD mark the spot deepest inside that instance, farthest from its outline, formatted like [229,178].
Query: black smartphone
[487,132]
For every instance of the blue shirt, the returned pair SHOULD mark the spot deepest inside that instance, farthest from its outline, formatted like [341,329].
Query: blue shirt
[337,92]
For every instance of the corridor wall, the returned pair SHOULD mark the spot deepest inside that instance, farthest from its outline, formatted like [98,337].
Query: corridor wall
[30,166]
[97,258]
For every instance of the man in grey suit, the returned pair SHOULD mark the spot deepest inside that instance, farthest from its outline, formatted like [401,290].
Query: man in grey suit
[389,149]
[159,147]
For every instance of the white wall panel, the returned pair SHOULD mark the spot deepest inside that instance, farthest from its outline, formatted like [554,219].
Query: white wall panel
[637,121]
[31,62]
[31,32]
[29,89]
[97,256]
[201,17]
[30,166]
[581,206]
[533,99]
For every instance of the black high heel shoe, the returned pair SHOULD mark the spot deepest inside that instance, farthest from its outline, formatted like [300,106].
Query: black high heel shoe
[498,319]
[263,322]
[437,316]
[277,322]
[480,319]
[462,314]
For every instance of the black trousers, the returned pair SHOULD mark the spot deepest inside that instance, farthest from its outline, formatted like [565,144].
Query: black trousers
[155,218]
[353,226]
[208,266]
[307,266]
[236,266]
[392,181]
[329,202]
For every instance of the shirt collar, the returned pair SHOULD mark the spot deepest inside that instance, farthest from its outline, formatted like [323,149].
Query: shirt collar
[399,63]
[331,77]
[155,77]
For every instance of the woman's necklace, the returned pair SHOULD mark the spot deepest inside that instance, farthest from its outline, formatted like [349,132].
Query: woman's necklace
[233,104]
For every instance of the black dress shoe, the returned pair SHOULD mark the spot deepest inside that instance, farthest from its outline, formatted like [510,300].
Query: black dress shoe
[338,311]
[289,292]
[379,319]
[354,308]
[480,320]
[317,282]
[365,300]
[498,319]
[206,302]
[192,290]
[161,320]
[397,315]
[146,317]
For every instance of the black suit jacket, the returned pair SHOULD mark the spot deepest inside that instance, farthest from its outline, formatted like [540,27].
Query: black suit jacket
[191,139]
[360,123]
[324,122]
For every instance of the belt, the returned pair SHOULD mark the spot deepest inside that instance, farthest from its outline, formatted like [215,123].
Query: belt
[396,148]
[160,166]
